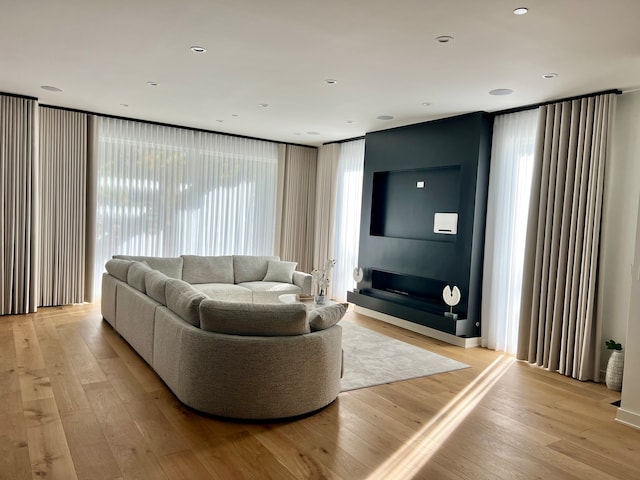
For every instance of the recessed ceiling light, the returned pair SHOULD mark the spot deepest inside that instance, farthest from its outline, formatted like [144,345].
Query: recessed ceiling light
[444,38]
[313,133]
[235,115]
[549,75]
[521,10]
[426,104]
[219,121]
[350,121]
[501,91]
[331,81]
[124,104]
[384,117]
[197,49]
[50,88]
[263,105]
[153,84]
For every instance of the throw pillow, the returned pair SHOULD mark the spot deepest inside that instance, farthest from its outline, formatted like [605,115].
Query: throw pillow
[267,320]
[118,268]
[322,318]
[279,271]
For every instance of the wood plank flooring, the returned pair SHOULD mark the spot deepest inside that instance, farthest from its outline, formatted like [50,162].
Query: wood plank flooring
[76,402]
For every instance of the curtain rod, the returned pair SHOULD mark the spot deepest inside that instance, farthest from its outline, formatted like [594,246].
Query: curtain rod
[361,137]
[17,95]
[515,109]
[550,102]
[161,124]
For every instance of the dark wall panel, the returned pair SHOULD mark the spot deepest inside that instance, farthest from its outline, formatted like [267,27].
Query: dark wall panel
[452,156]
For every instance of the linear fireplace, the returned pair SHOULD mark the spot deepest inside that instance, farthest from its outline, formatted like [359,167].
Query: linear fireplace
[425,293]
[414,298]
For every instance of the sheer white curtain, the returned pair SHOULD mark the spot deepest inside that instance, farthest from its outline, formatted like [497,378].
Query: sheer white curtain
[168,191]
[348,206]
[510,180]
[326,187]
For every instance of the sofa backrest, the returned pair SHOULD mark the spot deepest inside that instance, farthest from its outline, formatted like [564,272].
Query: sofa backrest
[251,268]
[202,269]
[264,320]
[136,275]
[155,282]
[184,300]
[170,266]
[118,268]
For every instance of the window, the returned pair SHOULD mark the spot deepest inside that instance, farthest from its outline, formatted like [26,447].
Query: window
[166,191]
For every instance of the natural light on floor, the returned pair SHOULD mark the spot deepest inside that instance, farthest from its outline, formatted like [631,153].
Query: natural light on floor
[418,450]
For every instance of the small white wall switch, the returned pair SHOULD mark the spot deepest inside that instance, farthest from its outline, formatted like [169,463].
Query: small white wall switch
[419,184]
[445,223]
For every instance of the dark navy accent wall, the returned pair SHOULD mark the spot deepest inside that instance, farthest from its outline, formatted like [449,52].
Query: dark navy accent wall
[452,157]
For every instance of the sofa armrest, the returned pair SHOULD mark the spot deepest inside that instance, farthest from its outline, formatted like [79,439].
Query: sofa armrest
[302,280]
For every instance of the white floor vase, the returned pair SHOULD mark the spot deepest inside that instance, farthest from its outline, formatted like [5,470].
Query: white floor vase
[615,366]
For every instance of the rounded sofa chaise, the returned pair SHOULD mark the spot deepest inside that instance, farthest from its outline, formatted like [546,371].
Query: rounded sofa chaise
[246,356]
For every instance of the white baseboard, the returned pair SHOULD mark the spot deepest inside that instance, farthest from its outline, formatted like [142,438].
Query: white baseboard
[415,327]
[631,419]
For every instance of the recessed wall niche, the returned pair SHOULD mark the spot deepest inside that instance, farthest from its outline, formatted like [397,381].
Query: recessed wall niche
[404,202]
[411,174]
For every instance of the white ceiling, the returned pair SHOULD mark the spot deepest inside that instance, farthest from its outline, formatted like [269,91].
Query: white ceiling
[280,52]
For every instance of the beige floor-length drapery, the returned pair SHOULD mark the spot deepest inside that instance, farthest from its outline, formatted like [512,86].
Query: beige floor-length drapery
[19,210]
[558,328]
[63,192]
[297,218]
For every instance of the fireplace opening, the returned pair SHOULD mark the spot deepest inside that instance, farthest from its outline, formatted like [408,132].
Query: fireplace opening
[411,290]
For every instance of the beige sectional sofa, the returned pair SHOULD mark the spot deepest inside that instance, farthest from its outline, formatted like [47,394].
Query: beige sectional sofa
[215,331]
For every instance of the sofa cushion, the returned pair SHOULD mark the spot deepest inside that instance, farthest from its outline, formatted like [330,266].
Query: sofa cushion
[279,271]
[136,274]
[227,292]
[275,288]
[268,320]
[321,318]
[184,300]
[200,269]
[170,266]
[155,282]
[118,268]
[250,268]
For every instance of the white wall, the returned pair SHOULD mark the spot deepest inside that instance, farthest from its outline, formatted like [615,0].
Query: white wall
[629,412]
[618,243]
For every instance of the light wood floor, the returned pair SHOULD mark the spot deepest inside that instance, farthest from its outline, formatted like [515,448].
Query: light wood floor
[77,402]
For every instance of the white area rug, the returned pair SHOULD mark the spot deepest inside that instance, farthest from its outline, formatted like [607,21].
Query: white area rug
[374,359]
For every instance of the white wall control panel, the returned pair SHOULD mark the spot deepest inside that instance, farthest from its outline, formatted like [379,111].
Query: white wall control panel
[445,223]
